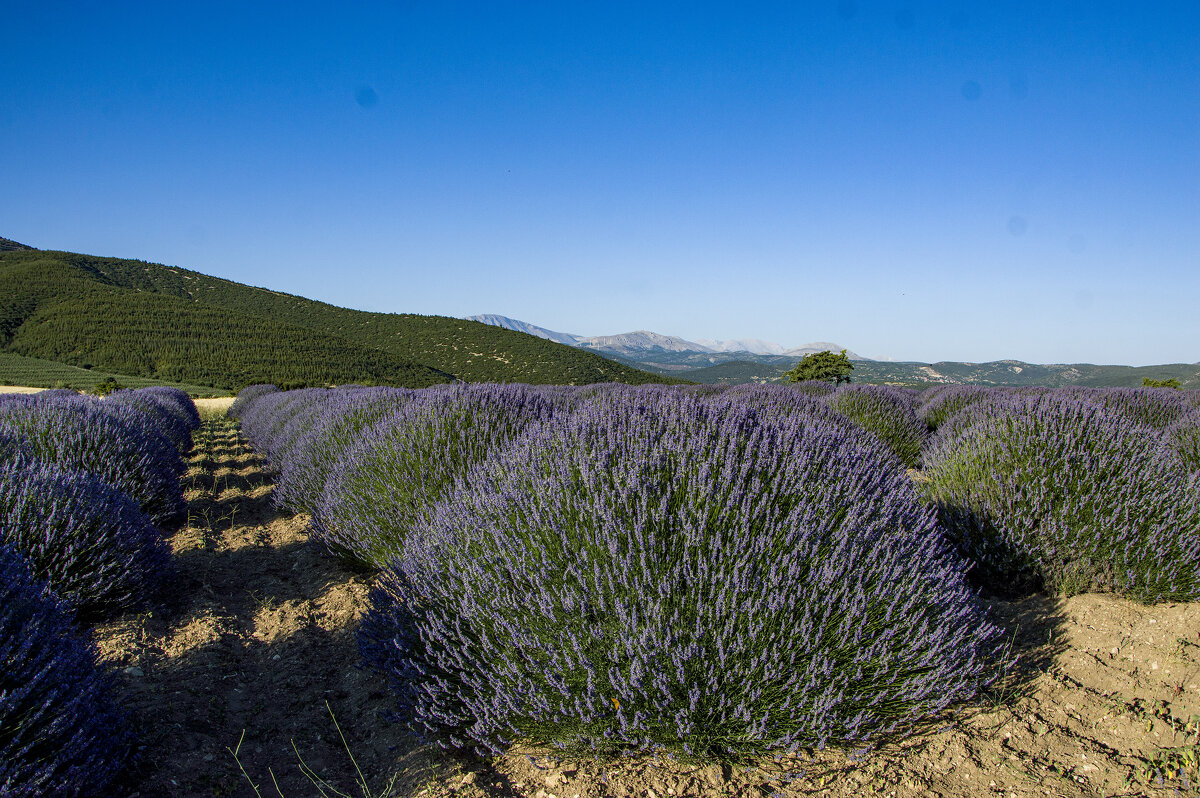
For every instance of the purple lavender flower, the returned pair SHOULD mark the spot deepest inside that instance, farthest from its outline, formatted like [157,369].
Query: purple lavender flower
[61,733]
[405,462]
[119,445]
[92,543]
[657,570]
[886,413]
[1068,493]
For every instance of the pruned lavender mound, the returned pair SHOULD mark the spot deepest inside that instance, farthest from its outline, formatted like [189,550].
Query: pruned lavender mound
[657,571]
[342,419]
[1063,493]
[814,387]
[119,445]
[248,396]
[60,732]
[1182,439]
[886,413]
[171,410]
[407,461]
[92,543]
[264,419]
[780,401]
[939,404]
[1151,407]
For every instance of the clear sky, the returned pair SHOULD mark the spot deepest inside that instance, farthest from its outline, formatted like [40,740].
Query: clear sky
[921,181]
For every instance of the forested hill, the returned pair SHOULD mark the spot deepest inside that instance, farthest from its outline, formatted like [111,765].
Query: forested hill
[151,320]
[8,245]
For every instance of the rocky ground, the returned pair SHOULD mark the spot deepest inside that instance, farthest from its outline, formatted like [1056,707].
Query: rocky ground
[253,653]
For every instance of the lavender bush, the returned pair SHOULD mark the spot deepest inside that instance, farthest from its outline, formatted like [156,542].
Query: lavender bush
[1182,439]
[654,571]
[265,418]
[885,413]
[1151,407]
[408,460]
[170,409]
[1061,492]
[813,387]
[941,403]
[60,732]
[247,397]
[342,420]
[97,550]
[118,445]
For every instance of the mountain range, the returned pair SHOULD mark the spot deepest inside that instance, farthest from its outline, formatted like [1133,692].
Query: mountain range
[646,343]
[753,360]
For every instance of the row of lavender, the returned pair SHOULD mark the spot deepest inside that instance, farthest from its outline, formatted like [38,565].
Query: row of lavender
[721,571]
[86,488]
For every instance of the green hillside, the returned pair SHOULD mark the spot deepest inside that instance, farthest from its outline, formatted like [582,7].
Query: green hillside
[169,323]
[925,375]
[37,373]
[8,245]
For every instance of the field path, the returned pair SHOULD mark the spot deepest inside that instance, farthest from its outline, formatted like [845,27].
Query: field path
[257,635]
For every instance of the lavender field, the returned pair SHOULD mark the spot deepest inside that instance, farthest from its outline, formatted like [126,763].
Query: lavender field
[773,578]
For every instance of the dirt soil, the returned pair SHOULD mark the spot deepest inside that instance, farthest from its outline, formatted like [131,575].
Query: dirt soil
[258,637]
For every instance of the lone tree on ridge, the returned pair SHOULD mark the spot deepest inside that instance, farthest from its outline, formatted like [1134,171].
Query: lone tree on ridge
[822,366]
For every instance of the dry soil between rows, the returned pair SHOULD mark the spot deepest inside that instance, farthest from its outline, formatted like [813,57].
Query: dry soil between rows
[257,637]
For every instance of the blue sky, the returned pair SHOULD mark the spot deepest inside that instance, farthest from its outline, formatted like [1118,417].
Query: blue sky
[925,181]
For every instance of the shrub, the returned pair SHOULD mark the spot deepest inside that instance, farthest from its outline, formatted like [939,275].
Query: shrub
[941,404]
[97,550]
[1182,439]
[654,571]
[1152,407]
[1063,493]
[886,414]
[263,420]
[305,471]
[778,401]
[246,397]
[60,732]
[170,409]
[116,445]
[407,461]
[814,387]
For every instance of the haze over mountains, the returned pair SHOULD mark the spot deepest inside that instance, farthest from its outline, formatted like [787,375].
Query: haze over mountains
[644,342]
[753,360]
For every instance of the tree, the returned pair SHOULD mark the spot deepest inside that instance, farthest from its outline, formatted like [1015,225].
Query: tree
[822,366]
[1151,383]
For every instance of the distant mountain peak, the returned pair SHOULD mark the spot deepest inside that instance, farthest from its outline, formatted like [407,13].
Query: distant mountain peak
[496,320]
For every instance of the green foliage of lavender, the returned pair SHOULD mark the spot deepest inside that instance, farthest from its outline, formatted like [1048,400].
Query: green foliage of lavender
[1151,407]
[1182,439]
[343,418]
[885,413]
[1066,493]
[246,397]
[92,543]
[406,462]
[814,387]
[264,420]
[61,733]
[939,404]
[658,571]
[120,445]
[170,410]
